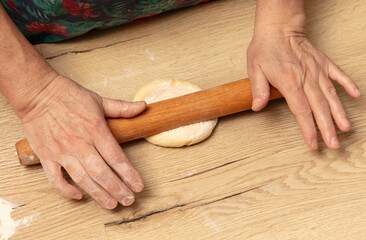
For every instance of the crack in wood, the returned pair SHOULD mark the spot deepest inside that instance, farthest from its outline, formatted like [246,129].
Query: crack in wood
[92,49]
[224,198]
[146,215]
[113,223]
[210,169]
[21,205]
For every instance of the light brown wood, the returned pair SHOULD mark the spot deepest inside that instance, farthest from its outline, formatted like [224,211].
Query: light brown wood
[254,178]
[165,115]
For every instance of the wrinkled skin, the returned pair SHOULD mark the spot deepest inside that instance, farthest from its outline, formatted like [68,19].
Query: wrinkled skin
[66,127]
[303,75]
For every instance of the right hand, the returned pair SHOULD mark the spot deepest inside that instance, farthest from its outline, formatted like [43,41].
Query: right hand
[65,126]
[303,74]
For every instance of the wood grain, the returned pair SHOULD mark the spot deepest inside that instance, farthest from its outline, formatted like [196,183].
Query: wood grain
[254,178]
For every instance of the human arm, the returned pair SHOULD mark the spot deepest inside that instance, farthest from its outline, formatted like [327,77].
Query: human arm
[280,54]
[65,123]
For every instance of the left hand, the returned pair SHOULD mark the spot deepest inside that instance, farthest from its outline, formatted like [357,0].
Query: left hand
[66,127]
[303,74]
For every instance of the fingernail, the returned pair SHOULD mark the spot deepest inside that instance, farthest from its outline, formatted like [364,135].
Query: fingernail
[256,102]
[265,95]
[314,144]
[125,108]
[127,201]
[78,196]
[357,91]
[345,123]
[334,142]
[111,203]
[137,187]
[139,103]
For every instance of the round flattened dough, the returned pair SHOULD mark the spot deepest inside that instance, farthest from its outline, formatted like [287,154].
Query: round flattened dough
[163,89]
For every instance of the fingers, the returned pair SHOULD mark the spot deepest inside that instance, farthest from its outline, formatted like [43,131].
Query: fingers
[56,178]
[80,176]
[117,108]
[335,104]
[337,74]
[260,89]
[300,107]
[321,110]
[113,154]
[101,173]
[93,175]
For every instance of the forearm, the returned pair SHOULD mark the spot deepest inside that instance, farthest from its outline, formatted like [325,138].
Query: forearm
[283,15]
[24,73]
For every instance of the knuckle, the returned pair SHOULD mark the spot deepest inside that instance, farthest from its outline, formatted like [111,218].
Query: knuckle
[114,156]
[323,105]
[310,73]
[338,69]
[250,51]
[115,159]
[255,61]
[331,91]
[294,87]
[98,174]
[80,178]
[310,63]
[94,124]
[304,111]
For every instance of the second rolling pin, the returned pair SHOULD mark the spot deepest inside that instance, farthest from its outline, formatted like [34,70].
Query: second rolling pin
[172,113]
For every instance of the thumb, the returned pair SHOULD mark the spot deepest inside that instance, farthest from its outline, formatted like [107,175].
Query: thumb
[260,90]
[114,108]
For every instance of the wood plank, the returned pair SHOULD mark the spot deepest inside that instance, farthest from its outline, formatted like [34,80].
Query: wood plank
[253,179]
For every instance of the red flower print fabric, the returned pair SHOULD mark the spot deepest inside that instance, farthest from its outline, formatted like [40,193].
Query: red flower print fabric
[55,20]
[83,10]
[55,29]
[12,5]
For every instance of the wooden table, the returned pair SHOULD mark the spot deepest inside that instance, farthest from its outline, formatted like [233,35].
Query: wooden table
[254,178]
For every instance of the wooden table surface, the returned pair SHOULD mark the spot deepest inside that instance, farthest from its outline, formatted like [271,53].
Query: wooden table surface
[254,178]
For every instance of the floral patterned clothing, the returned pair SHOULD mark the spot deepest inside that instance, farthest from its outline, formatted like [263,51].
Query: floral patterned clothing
[55,20]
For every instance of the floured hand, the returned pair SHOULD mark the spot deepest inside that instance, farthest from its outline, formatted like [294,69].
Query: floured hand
[65,125]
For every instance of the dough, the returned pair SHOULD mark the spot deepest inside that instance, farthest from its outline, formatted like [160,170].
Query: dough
[163,89]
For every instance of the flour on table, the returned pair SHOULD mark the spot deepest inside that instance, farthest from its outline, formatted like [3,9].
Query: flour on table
[160,90]
[7,224]
[150,56]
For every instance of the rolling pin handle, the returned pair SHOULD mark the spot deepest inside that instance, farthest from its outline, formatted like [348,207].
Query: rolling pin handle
[25,153]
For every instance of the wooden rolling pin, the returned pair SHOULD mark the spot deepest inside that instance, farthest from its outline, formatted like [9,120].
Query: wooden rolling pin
[172,113]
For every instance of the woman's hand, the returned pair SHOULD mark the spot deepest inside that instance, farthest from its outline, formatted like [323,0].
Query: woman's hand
[65,125]
[303,74]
